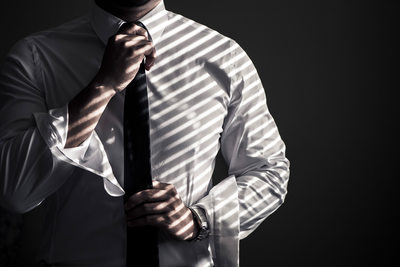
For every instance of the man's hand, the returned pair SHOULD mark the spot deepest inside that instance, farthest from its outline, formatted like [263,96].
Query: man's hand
[124,53]
[162,207]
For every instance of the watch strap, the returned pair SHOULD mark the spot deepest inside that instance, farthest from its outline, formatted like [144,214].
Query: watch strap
[201,219]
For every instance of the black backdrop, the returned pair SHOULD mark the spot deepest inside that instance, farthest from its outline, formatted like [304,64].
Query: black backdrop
[328,69]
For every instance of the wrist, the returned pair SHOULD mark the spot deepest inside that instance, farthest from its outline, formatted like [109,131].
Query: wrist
[102,88]
[196,226]
[201,230]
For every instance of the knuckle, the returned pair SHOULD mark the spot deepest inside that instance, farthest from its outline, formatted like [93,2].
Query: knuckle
[150,45]
[125,44]
[174,204]
[136,27]
[170,214]
[169,186]
[174,190]
[141,30]
[139,195]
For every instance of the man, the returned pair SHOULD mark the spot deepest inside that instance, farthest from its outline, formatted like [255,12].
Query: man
[62,94]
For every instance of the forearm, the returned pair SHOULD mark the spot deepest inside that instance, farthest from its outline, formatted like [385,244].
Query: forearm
[84,112]
[124,53]
[29,171]
[31,166]
[260,193]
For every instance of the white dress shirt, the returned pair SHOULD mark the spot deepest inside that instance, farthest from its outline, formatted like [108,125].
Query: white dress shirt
[204,95]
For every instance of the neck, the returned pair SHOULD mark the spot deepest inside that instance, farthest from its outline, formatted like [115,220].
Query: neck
[127,13]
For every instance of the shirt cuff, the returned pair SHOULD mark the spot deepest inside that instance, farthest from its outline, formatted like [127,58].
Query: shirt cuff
[90,155]
[221,207]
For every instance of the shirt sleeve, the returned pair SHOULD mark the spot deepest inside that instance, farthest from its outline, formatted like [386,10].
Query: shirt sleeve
[33,161]
[255,154]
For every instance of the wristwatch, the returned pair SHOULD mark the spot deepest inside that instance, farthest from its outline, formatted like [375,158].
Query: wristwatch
[201,219]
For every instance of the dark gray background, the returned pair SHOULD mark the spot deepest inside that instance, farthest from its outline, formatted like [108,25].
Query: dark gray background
[328,69]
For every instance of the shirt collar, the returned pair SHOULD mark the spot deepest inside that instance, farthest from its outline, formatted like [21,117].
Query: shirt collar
[105,24]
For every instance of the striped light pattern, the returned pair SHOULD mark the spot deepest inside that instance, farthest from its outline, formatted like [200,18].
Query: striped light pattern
[204,95]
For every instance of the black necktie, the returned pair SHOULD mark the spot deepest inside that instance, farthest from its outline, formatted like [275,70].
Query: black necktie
[142,242]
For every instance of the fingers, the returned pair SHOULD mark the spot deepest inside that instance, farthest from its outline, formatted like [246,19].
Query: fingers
[133,43]
[160,185]
[144,48]
[163,220]
[145,196]
[163,198]
[169,207]
[162,207]
[180,227]
[127,37]
[129,29]
[150,57]
[146,209]
[133,29]
[137,47]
